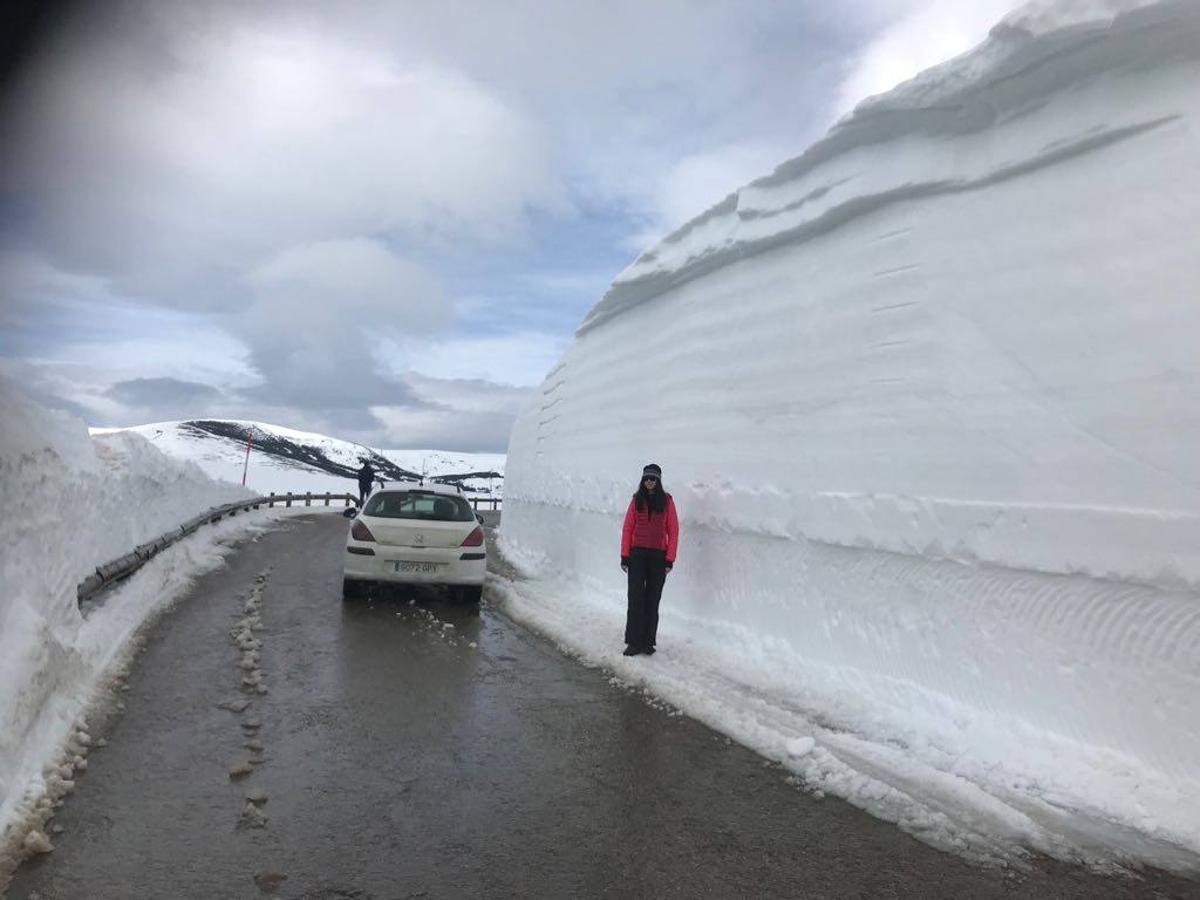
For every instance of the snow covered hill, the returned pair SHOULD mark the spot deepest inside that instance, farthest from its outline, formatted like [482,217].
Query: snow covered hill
[928,399]
[284,459]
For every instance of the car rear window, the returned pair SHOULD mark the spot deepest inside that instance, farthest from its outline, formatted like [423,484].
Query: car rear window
[419,505]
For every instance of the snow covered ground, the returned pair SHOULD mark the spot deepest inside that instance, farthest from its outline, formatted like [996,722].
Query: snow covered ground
[927,399]
[72,502]
[223,459]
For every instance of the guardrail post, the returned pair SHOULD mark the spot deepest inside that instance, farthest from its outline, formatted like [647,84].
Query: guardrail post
[308,498]
[271,502]
[326,498]
[289,501]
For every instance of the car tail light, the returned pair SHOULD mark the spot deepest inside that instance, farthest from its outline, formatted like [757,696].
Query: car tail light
[475,538]
[361,532]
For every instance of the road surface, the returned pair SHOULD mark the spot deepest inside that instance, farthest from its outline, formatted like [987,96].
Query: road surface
[415,748]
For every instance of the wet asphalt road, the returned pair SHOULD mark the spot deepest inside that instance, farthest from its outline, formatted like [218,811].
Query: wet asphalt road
[400,762]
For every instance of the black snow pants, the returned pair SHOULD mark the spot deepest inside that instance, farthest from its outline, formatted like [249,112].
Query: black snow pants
[364,488]
[647,572]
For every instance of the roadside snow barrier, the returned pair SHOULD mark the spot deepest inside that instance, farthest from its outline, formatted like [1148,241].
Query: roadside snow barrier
[124,566]
[925,397]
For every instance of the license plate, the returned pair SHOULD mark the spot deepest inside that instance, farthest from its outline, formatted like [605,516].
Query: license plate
[423,568]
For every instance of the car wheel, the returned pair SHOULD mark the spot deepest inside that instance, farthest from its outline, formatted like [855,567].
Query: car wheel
[470,593]
[353,589]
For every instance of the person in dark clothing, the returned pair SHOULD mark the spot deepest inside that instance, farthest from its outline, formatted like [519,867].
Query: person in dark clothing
[649,539]
[366,475]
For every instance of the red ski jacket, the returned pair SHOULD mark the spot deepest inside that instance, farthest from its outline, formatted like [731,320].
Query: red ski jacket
[657,531]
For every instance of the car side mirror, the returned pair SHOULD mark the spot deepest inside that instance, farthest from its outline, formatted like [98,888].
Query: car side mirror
[350,512]
[479,518]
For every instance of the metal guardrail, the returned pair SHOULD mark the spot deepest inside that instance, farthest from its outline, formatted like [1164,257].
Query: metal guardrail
[271,499]
[308,497]
[124,566]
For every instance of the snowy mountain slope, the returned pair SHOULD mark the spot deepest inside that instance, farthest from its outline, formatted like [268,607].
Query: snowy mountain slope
[284,459]
[928,399]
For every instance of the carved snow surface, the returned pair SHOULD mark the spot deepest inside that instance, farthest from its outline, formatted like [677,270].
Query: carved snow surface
[928,400]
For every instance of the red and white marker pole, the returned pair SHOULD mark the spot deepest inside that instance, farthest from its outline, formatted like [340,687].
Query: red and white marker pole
[246,467]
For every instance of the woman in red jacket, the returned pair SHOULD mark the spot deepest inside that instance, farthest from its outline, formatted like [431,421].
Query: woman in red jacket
[648,541]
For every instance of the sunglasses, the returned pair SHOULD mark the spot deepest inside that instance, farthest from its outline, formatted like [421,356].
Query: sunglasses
[653,478]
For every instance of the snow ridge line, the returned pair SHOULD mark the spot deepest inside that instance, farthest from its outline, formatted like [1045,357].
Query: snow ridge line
[1158,548]
[826,187]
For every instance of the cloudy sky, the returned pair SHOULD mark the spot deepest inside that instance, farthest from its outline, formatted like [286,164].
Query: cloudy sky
[384,220]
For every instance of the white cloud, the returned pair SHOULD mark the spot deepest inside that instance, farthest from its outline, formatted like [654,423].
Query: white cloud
[698,181]
[83,390]
[356,280]
[28,284]
[39,302]
[258,168]
[315,313]
[519,358]
[308,178]
[469,394]
[922,33]
[173,147]
[174,177]
[459,414]
[911,35]
[193,349]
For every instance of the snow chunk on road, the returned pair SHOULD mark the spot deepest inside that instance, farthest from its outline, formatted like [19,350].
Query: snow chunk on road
[800,746]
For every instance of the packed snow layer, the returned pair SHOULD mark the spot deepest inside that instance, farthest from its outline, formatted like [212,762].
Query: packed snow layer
[225,459]
[71,503]
[927,399]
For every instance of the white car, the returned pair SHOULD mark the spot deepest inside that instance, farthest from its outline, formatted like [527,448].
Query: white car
[417,534]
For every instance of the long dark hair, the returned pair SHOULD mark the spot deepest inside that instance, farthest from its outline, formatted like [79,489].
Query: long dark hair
[656,502]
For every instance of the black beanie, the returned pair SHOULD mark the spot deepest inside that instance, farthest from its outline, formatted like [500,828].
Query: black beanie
[654,470]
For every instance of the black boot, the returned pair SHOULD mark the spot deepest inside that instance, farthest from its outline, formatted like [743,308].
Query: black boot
[631,650]
[649,651]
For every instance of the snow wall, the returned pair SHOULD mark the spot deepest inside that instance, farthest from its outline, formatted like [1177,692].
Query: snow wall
[71,503]
[928,399]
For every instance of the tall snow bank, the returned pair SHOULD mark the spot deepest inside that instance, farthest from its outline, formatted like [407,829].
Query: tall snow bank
[71,503]
[927,398]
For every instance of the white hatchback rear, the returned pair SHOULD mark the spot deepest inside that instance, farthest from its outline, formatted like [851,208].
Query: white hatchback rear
[416,534]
